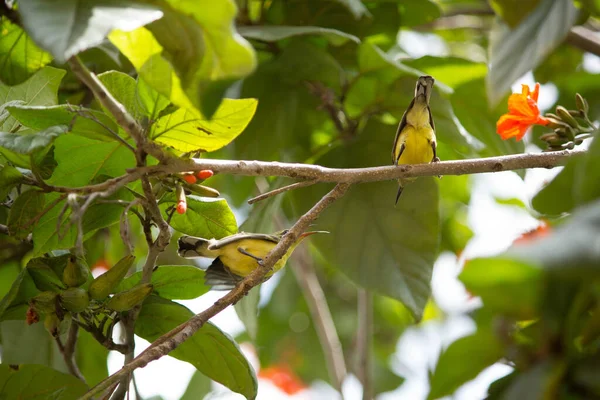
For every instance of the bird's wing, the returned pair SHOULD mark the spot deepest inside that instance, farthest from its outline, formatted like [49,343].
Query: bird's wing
[240,236]
[219,278]
[431,119]
[401,127]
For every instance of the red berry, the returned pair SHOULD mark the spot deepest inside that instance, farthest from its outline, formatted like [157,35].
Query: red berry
[204,174]
[189,178]
[181,207]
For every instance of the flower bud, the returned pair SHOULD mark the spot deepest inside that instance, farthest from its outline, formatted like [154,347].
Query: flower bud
[582,104]
[566,117]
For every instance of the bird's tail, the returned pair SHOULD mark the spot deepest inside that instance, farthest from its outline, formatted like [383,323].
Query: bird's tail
[191,247]
[400,189]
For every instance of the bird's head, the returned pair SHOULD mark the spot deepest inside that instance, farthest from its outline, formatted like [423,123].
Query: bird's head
[424,88]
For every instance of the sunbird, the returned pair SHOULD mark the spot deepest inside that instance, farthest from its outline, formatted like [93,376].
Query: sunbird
[415,139]
[235,256]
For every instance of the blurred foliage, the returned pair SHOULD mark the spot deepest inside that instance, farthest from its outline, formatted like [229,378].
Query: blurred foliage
[306,81]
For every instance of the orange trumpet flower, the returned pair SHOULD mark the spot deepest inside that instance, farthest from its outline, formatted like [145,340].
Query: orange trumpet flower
[523,112]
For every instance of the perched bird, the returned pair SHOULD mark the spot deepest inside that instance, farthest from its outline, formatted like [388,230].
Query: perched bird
[236,256]
[415,139]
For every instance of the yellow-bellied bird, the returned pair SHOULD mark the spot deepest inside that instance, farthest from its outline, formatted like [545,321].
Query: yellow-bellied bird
[235,256]
[415,139]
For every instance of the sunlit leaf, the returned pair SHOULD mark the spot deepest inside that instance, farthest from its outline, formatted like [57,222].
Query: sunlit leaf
[19,56]
[186,130]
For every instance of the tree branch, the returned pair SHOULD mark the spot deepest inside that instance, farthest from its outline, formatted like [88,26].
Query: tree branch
[372,174]
[69,350]
[178,335]
[584,39]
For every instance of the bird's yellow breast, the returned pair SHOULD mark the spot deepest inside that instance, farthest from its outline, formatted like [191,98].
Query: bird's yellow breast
[417,145]
[241,264]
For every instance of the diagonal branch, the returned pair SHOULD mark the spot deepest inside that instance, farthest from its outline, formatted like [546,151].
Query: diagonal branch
[178,335]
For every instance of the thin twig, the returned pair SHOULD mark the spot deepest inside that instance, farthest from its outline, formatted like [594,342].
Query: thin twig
[178,335]
[321,317]
[274,192]
[69,350]
[364,338]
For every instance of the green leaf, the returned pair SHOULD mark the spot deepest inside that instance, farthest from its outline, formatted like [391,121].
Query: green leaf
[198,70]
[39,90]
[28,143]
[471,107]
[150,100]
[80,160]
[369,247]
[19,56]
[187,130]
[463,360]
[205,218]
[123,88]
[78,24]
[247,310]
[30,344]
[38,382]
[23,213]
[506,286]
[513,11]
[418,12]
[173,282]
[9,178]
[574,186]
[21,290]
[356,7]
[45,235]
[91,358]
[93,125]
[451,71]
[198,387]
[267,33]
[513,52]
[210,350]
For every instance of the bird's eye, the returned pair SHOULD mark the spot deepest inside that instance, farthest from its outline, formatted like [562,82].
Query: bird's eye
[284,232]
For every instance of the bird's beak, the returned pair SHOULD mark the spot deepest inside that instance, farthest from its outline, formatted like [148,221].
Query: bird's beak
[305,234]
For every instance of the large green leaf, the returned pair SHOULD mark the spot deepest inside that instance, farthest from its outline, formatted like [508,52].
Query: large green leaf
[418,12]
[80,160]
[450,71]
[19,56]
[463,360]
[515,51]
[574,186]
[506,286]
[198,387]
[39,90]
[23,213]
[30,344]
[188,130]
[267,33]
[199,69]
[46,237]
[78,24]
[205,218]
[91,358]
[472,109]
[21,290]
[30,142]
[173,282]
[150,100]
[92,124]
[382,248]
[210,350]
[37,382]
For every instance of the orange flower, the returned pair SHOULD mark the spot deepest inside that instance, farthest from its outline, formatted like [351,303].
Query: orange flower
[523,112]
[542,230]
[283,377]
